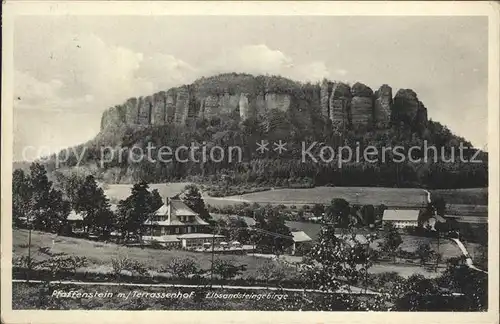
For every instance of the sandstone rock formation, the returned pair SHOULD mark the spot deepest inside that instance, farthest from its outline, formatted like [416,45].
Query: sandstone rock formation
[211,106]
[260,105]
[251,97]
[339,105]
[159,109]
[145,106]
[228,103]
[244,107]
[325,93]
[405,107]
[278,101]
[181,106]
[170,106]
[383,105]
[361,105]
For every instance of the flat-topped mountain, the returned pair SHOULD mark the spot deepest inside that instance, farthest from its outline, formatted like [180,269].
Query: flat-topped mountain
[243,96]
[241,110]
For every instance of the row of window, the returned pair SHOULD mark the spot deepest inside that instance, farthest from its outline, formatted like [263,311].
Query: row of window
[162,218]
[158,231]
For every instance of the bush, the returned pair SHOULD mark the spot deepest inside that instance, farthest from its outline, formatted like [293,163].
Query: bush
[182,267]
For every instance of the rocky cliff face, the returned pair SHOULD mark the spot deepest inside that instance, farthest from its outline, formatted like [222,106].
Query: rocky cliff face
[383,106]
[339,106]
[361,105]
[255,97]
[408,110]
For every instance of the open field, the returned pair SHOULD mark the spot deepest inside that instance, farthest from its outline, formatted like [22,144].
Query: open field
[467,210]
[391,197]
[99,254]
[466,196]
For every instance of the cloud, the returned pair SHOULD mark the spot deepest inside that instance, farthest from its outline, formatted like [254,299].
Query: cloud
[84,70]
[261,59]
[77,76]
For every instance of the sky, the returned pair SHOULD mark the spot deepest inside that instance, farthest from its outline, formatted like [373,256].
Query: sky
[69,69]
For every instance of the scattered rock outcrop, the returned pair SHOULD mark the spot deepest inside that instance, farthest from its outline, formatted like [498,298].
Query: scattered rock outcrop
[251,97]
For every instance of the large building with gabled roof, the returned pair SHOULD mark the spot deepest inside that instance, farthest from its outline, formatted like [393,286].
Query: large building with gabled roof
[176,225]
[174,217]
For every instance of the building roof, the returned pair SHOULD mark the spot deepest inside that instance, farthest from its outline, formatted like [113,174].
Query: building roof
[74,216]
[163,210]
[177,208]
[401,215]
[301,236]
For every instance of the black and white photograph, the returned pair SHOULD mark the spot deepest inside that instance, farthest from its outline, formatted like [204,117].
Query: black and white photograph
[261,160]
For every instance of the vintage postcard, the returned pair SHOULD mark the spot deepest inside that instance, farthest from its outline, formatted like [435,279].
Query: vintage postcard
[278,162]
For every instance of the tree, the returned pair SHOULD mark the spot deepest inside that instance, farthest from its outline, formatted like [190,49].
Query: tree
[271,270]
[49,211]
[471,283]
[368,213]
[123,263]
[69,184]
[191,196]
[271,232]
[318,210]
[228,269]
[337,262]
[338,212]
[417,294]
[136,209]
[237,230]
[21,197]
[424,252]
[182,267]
[439,205]
[91,201]
[391,240]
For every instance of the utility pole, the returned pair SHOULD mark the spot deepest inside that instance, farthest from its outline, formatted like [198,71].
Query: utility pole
[29,248]
[213,253]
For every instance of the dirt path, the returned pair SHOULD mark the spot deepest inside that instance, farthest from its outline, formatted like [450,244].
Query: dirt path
[468,258]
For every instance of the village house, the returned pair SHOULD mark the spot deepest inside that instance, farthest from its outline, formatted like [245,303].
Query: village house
[176,225]
[401,218]
[300,238]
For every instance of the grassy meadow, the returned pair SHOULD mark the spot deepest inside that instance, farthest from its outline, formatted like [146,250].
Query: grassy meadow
[100,254]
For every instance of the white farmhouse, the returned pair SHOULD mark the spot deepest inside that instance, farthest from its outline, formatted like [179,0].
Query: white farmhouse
[401,218]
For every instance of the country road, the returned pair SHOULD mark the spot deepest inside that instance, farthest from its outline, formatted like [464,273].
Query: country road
[468,258]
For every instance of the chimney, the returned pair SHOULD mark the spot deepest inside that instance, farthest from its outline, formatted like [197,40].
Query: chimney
[167,203]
